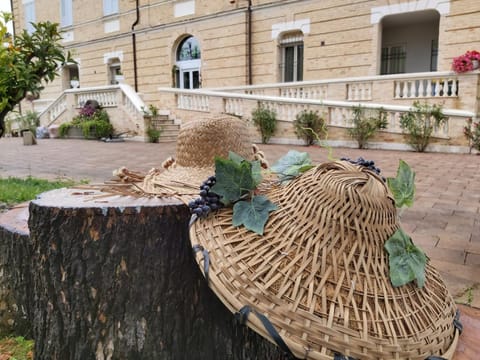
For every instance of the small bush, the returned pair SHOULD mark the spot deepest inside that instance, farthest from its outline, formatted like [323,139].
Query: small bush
[472,133]
[153,135]
[418,124]
[63,129]
[365,127]
[309,126]
[94,122]
[266,122]
[96,129]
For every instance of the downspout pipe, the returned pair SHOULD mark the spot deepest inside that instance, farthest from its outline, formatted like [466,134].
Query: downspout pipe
[249,42]
[134,44]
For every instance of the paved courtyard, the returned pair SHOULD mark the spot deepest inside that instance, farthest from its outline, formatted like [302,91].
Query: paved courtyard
[444,221]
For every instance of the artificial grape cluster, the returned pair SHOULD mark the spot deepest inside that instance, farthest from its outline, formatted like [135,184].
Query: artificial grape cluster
[369,164]
[208,200]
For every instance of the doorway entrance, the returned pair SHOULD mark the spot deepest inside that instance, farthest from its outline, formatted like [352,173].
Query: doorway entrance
[188,64]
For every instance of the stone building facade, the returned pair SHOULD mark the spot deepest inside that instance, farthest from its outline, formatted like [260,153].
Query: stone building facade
[238,42]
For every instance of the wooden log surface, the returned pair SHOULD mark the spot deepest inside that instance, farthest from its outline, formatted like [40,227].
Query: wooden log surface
[115,278]
[16,298]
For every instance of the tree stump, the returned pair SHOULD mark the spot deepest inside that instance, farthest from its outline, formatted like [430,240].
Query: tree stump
[115,278]
[16,300]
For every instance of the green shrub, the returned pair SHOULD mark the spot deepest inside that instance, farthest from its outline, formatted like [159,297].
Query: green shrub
[153,135]
[365,125]
[95,123]
[472,133]
[309,126]
[418,124]
[266,122]
[96,129]
[63,129]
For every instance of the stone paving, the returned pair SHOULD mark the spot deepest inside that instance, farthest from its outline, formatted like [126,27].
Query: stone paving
[444,221]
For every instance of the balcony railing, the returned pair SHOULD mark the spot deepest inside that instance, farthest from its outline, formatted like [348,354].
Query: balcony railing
[186,104]
[380,89]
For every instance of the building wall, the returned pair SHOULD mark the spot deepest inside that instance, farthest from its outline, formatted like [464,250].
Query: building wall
[341,37]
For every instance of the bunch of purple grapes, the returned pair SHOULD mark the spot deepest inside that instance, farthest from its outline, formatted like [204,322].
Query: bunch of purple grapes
[369,164]
[208,200]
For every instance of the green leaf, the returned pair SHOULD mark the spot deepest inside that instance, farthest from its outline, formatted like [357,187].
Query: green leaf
[256,166]
[234,180]
[292,164]
[406,261]
[253,214]
[237,159]
[403,186]
[256,172]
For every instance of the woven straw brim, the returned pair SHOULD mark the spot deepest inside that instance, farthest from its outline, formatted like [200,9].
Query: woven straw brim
[180,182]
[320,272]
[199,142]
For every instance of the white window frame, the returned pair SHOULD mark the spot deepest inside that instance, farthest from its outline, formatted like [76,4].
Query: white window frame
[66,13]
[110,7]
[29,14]
[291,41]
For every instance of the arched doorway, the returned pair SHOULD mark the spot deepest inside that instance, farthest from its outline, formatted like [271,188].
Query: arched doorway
[410,42]
[188,63]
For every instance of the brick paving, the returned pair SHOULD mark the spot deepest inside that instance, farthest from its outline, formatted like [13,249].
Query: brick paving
[444,221]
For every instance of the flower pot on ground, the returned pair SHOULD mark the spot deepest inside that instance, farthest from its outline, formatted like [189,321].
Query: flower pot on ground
[93,123]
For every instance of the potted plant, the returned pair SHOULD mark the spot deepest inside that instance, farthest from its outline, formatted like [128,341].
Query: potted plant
[90,123]
[466,62]
[74,83]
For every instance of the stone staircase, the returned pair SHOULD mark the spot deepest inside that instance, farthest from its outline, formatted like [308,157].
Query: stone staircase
[169,130]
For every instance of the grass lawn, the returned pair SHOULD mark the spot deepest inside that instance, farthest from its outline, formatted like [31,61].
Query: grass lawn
[14,191]
[16,348]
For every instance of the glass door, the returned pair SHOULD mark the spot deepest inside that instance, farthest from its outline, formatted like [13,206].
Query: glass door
[190,79]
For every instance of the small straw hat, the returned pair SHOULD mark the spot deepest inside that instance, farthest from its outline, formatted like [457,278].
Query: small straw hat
[198,143]
[317,282]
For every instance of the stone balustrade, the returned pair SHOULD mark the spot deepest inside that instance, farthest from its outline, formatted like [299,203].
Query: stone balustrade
[124,106]
[338,114]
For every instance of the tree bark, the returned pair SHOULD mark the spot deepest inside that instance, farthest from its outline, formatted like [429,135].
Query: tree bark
[117,280]
[16,301]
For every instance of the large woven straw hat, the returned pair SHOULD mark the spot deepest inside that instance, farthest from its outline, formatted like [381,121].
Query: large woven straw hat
[198,143]
[317,282]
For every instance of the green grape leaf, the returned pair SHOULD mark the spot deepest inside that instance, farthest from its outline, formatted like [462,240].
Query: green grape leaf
[256,166]
[237,159]
[256,172]
[292,164]
[406,261]
[403,186]
[253,214]
[234,180]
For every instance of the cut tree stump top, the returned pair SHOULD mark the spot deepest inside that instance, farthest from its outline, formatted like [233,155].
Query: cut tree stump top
[15,220]
[92,198]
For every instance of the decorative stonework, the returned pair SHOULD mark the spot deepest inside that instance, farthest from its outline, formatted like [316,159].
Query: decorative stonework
[303,25]
[111,26]
[184,8]
[112,55]
[377,13]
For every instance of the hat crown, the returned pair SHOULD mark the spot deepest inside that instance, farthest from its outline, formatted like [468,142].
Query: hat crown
[342,198]
[200,141]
